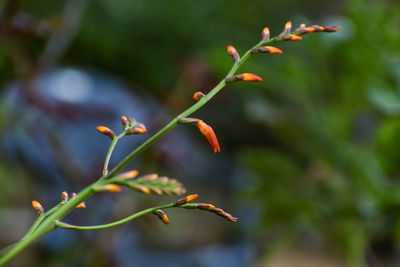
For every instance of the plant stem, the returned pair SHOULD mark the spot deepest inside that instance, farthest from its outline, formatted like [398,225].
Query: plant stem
[49,224]
[110,151]
[122,221]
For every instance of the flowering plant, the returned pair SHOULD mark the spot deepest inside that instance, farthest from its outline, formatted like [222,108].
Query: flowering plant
[113,180]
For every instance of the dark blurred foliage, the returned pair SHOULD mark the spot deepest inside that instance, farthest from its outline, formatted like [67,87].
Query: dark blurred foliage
[311,155]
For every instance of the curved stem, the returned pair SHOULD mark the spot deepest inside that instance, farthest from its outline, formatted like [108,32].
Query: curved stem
[122,221]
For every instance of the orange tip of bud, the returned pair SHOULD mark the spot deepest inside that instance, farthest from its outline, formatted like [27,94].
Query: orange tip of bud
[233,52]
[186,199]
[266,49]
[81,205]
[37,206]
[108,188]
[64,196]
[249,77]
[209,134]
[288,27]
[124,121]
[106,131]
[128,175]
[197,96]
[162,215]
[265,34]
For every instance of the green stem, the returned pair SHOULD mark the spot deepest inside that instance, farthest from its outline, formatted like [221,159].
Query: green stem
[122,221]
[110,151]
[49,224]
[186,113]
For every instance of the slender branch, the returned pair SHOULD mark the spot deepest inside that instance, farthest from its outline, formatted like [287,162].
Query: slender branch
[110,151]
[186,113]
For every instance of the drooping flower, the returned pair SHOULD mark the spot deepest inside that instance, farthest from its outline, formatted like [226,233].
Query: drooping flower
[209,134]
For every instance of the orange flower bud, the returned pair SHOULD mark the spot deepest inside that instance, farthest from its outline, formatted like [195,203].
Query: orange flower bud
[197,96]
[331,28]
[317,28]
[128,175]
[37,206]
[140,188]
[64,196]
[81,205]
[209,134]
[108,188]
[139,128]
[233,52]
[265,34]
[162,215]
[288,27]
[266,49]
[289,37]
[106,131]
[124,121]
[205,206]
[185,200]
[249,77]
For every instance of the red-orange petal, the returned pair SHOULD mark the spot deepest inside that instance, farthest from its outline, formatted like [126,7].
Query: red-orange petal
[209,134]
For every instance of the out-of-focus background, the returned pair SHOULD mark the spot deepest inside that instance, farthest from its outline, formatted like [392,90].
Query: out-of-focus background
[310,159]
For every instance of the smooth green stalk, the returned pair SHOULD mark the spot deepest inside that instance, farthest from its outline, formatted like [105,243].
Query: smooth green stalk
[110,151]
[122,221]
[44,227]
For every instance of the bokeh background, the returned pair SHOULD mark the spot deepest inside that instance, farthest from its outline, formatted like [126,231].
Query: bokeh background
[310,159]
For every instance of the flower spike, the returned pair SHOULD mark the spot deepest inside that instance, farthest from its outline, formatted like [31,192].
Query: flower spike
[209,134]
[106,131]
[37,206]
[233,52]
[198,95]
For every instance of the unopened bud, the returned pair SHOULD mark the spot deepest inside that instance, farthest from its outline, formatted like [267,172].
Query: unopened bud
[106,131]
[288,27]
[265,34]
[185,200]
[317,28]
[107,188]
[331,28]
[233,52]
[128,175]
[124,121]
[266,49]
[37,206]
[205,206]
[197,96]
[247,77]
[188,120]
[162,215]
[208,132]
[73,195]
[140,188]
[139,128]
[64,196]
[81,205]
[289,37]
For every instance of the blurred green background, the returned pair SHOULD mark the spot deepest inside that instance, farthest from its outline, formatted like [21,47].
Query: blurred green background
[310,157]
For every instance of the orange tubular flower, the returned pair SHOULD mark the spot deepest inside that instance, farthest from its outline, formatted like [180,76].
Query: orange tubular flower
[209,134]
[106,131]
[37,206]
